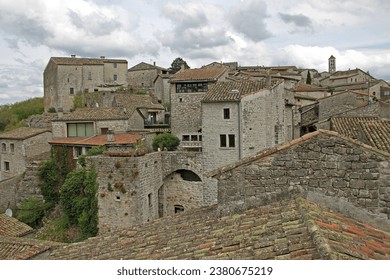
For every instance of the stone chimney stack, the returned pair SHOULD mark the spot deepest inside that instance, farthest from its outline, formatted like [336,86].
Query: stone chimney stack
[110,136]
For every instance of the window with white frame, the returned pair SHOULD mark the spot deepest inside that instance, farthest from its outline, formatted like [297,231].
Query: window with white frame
[80,129]
[227,141]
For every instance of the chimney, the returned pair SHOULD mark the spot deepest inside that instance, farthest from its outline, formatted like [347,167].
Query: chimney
[110,136]
[73,56]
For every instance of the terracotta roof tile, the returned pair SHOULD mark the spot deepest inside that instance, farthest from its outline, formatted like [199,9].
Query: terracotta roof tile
[369,130]
[10,226]
[99,140]
[233,90]
[22,133]
[288,229]
[200,74]
[16,248]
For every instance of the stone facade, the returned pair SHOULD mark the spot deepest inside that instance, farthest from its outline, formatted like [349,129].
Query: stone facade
[136,190]
[186,109]
[64,77]
[321,163]
[254,122]
[17,151]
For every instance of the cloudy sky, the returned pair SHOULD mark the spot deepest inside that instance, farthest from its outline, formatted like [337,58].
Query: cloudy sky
[252,32]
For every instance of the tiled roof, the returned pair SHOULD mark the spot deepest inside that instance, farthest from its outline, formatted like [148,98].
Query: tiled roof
[200,74]
[100,140]
[369,130]
[232,90]
[133,101]
[95,114]
[289,229]
[145,66]
[10,226]
[22,133]
[84,61]
[16,248]
[305,88]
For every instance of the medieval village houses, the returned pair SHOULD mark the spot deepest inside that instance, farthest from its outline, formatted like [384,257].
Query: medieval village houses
[258,147]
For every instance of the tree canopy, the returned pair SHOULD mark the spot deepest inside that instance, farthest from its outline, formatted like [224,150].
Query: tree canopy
[177,64]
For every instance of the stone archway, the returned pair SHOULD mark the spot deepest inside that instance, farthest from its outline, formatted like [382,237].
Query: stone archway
[181,187]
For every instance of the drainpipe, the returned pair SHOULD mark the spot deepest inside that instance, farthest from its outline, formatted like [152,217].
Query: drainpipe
[239,129]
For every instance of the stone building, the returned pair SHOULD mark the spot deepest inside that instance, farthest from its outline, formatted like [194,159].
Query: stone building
[187,90]
[346,77]
[317,115]
[19,147]
[332,170]
[240,119]
[64,77]
[151,78]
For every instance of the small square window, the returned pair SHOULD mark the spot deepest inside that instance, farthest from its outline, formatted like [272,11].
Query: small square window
[226,113]
[71,90]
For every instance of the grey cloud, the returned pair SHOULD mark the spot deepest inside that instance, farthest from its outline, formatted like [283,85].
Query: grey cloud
[94,24]
[298,20]
[192,31]
[17,27]
[248,18]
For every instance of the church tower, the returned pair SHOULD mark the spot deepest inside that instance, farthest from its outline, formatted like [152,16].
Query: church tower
[332,64]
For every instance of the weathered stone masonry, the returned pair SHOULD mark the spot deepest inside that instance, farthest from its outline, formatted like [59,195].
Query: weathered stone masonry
[321,165]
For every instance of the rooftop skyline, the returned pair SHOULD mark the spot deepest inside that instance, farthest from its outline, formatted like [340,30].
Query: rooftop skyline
[252,32]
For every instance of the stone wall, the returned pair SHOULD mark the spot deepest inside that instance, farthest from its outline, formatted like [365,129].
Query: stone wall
[128,189]
[320,162]
[8,193]
[339,103]
[185,112]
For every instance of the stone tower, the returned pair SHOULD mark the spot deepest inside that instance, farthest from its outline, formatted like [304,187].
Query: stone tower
[332,64]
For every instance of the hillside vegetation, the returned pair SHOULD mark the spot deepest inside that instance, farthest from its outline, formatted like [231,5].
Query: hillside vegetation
[13,116]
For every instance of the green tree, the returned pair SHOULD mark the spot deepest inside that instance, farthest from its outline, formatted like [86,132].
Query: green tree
[308,78]
[177,65]
[165,140]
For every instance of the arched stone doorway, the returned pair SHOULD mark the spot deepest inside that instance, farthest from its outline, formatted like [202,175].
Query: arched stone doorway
[181,190]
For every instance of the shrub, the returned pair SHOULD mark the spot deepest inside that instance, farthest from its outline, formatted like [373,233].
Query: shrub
[31,211]
[165,140]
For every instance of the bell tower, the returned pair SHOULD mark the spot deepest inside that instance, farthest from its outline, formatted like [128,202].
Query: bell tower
[331,64]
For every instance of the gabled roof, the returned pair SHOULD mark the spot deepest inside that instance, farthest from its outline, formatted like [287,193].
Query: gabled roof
[95,114]
[369,130]
[288,145]
[99,140]
[288,229]
[10,226]
[233,90]
[145,66]
[23,133]
[199,74]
